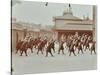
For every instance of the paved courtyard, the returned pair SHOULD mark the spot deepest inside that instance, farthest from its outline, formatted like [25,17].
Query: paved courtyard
[34,63]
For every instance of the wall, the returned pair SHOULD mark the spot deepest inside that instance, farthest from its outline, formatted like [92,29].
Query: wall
[74,27]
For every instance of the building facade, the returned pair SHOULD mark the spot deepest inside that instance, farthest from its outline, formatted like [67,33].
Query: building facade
[20,30]
[69,24]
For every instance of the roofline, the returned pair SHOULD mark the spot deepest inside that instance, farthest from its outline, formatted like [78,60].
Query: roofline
[70,30]
[80,23]
[68,19]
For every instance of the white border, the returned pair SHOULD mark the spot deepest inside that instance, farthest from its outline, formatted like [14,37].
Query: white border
[5,15]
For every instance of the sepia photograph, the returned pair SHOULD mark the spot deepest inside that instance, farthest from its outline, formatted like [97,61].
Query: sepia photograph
[52,37]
